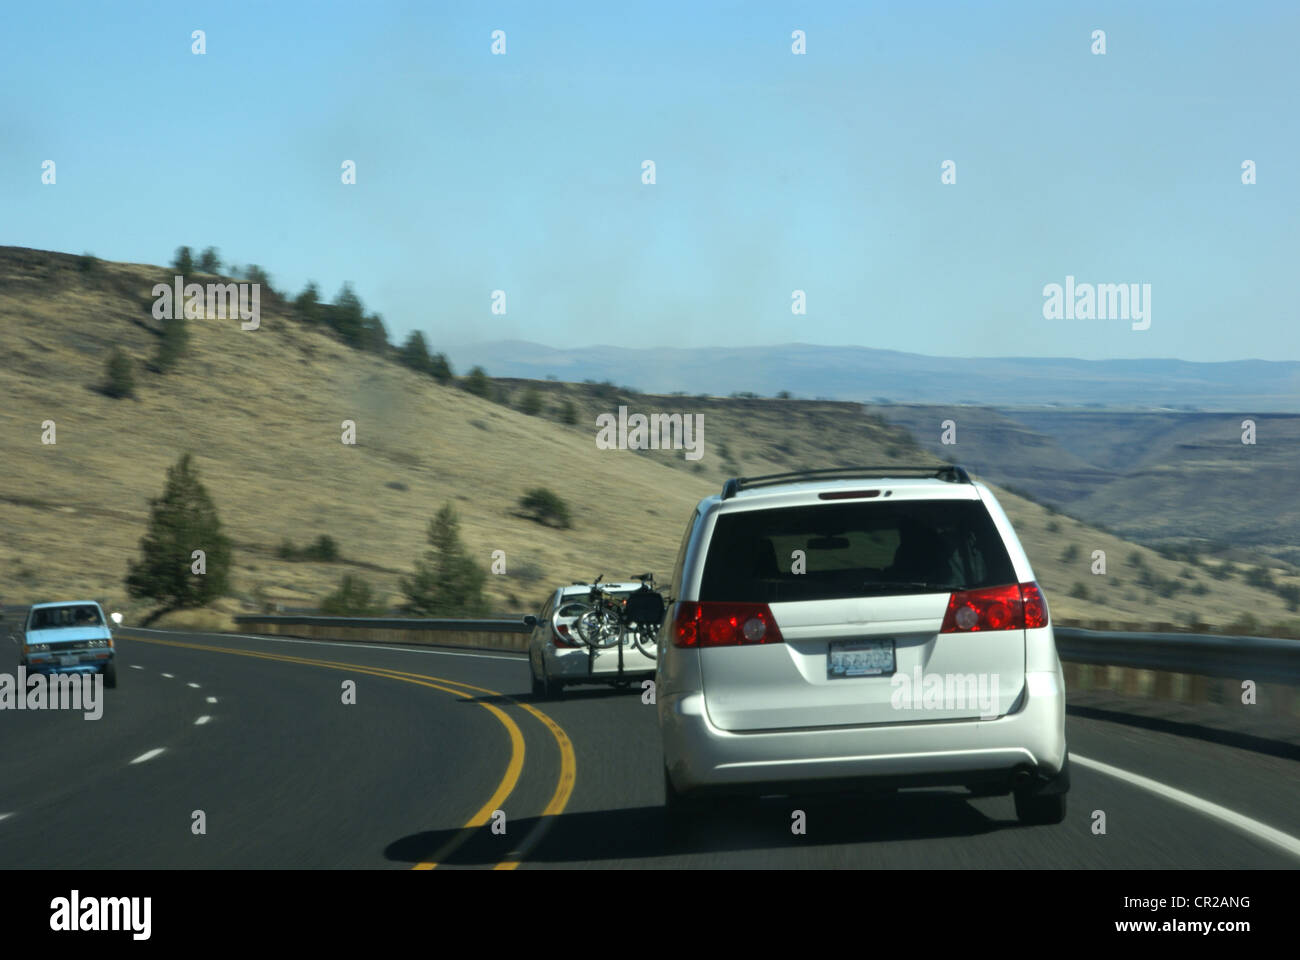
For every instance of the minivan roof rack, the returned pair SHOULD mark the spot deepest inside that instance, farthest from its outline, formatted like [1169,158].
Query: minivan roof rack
[948,471]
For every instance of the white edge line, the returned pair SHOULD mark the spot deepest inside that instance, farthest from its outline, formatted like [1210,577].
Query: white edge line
[499,655]
[149,755]
[1238,821]
[202,720]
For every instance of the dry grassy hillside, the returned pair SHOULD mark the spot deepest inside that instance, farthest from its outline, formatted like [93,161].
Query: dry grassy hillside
[262,413]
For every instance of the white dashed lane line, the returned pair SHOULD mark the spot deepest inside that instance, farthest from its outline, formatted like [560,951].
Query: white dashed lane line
[169,676]
[202,720]
[149,756]
[194,685]
[136,666]
[212,699]
[4,816]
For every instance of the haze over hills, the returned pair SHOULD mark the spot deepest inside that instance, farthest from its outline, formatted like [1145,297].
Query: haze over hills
[865,374]
[1158,477]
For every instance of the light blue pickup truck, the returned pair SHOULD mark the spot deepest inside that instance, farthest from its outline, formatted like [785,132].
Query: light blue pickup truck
[72,636]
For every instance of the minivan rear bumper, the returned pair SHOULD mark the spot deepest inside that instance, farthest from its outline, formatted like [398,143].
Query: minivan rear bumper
[1027,743]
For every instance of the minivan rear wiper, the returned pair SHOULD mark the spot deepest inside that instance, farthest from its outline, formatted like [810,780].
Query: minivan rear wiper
[886,586]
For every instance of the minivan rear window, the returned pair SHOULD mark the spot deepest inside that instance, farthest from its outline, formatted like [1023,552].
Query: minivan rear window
[838,550]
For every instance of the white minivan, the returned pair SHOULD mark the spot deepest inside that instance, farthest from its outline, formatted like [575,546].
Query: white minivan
[859,627]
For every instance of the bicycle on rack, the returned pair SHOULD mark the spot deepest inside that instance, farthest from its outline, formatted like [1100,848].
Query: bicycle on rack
[600,625]
[610,621]
[643,614]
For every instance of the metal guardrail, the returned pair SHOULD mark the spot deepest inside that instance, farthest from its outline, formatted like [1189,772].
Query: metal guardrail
[468,625]
[481,633]
[1264,659]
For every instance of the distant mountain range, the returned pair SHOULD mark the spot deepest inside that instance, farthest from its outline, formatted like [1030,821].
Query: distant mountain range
[888,376]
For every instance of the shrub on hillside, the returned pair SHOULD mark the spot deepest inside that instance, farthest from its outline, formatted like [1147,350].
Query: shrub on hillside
[307,305]
[546,507]
[415,353]
[477,383]
[353,598]
[172,344]
[1260,576]
[1245,625]
[120,379]
[440,368]
[323,550]
[374,335]
[531,402]
[604,390]
[346,316]
[210,261]
[255,274]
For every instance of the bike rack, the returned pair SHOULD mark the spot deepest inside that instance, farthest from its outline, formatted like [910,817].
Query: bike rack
[592,652]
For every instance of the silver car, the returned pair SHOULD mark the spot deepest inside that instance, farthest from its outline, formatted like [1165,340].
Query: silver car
[859,627]
[557,658]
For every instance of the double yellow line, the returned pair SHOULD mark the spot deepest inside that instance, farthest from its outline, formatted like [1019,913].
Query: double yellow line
[514,769]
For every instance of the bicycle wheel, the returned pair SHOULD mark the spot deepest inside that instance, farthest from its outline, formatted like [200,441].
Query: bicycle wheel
[645,639]
[599,627]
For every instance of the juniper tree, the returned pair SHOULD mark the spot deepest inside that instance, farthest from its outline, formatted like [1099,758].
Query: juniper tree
[181,521]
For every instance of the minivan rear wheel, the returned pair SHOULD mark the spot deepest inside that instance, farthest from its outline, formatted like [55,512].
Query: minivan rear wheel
[1039,809]
[679,807]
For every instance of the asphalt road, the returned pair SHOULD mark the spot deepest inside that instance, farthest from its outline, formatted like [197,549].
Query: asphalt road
[288,775]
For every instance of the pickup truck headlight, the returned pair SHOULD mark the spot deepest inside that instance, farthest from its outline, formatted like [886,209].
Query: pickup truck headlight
[36,647]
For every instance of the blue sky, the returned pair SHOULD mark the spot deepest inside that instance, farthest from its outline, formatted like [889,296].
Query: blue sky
[775,172]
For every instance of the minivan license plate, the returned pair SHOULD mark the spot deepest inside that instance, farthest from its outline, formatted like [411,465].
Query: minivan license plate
[860,658]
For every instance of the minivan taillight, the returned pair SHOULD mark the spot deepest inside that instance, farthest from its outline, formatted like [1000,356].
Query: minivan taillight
[1017,606]
[719,624]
